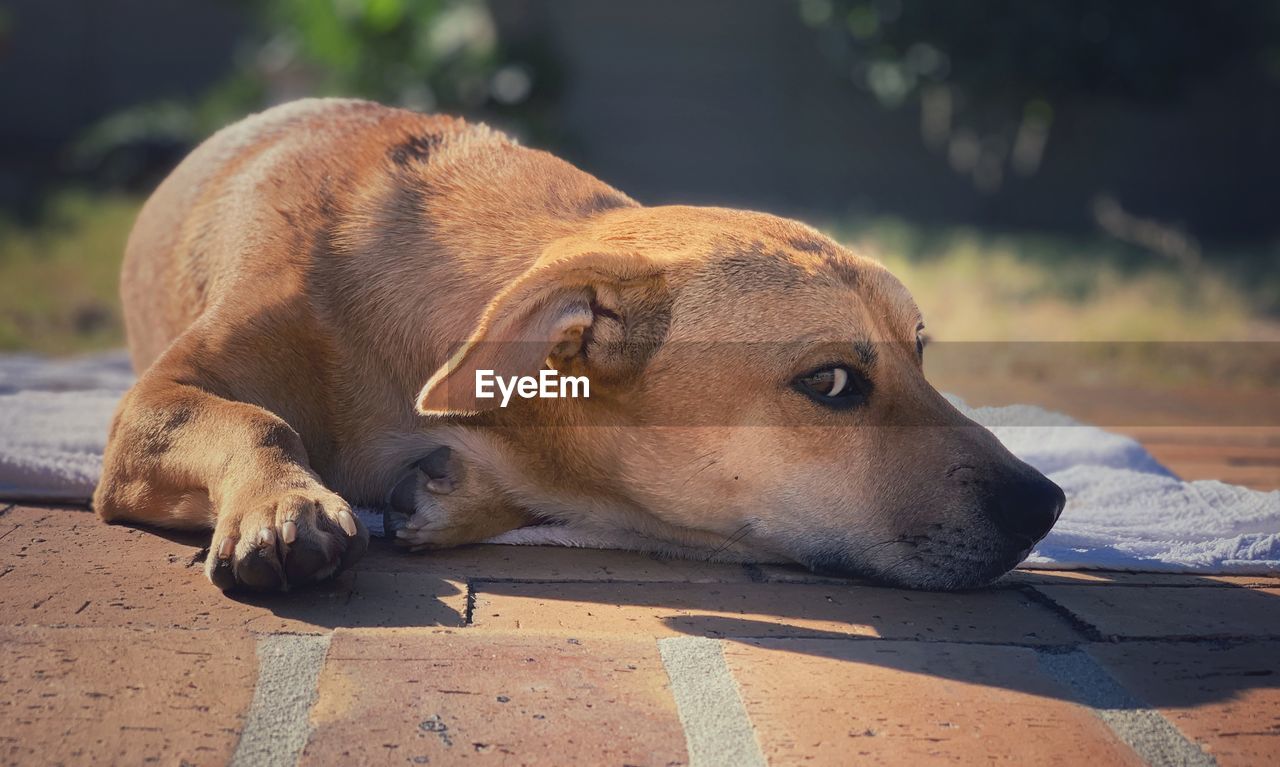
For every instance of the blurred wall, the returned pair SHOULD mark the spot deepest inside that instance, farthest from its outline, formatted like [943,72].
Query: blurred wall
[710,101]
[730,101]
[65,64]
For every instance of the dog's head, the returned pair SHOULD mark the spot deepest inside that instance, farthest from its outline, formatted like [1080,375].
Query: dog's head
[755,388]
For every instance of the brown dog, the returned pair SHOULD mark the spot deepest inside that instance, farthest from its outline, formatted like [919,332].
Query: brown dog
[312,294]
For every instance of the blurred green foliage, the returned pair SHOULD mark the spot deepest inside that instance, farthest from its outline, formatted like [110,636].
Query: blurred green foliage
[420,54]
[991,77]
[1055,50]
[423,53]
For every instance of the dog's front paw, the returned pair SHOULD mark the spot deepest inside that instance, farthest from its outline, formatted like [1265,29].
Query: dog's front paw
[433,526]
[418,515]
[273,540]
[442,502]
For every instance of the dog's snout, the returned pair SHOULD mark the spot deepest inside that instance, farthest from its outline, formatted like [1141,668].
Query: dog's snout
[1027,506]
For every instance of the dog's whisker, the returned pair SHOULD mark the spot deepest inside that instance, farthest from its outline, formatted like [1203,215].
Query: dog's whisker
[736,536]
[706,466]
[867,549]
[885,573]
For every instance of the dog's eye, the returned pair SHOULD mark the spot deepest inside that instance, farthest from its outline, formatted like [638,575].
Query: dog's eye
[835,386]
[920,340]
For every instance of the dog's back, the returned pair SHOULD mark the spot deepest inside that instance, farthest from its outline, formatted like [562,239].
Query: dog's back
[267,202]
[222,212]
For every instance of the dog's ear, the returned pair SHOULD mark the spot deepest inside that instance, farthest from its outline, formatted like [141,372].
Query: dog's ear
[595,314]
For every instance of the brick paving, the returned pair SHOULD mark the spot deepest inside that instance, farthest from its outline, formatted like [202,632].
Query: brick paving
[893,702]
[114,650]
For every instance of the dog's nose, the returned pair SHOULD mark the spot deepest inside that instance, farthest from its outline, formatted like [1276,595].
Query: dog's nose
[1027,506]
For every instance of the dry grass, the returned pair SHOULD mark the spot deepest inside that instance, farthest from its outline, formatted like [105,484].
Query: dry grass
[58,283]
[973,286]
[1087,314]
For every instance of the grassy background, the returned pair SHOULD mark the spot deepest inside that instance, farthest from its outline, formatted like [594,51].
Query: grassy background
[976,285]
[58,283]
[59,279]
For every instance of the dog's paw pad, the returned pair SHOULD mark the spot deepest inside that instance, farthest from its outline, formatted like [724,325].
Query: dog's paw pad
[297,537]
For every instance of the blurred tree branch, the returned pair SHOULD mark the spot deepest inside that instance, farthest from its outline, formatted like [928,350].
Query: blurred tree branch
[420,54]
[989,76]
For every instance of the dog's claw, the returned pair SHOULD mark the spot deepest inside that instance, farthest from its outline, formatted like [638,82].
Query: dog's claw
[440,486]
[347,522]
[393,522]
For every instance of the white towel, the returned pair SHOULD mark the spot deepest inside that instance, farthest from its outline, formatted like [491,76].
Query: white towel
[1124,510]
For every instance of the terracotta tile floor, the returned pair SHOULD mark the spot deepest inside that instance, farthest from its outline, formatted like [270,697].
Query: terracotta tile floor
[114,650]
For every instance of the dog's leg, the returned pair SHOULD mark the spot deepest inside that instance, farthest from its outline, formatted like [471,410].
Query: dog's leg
[179,456]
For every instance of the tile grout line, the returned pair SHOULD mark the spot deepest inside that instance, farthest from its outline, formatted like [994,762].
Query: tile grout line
[717,729]
[469,608]
[1082,627]
[278,723]
[1145,730]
